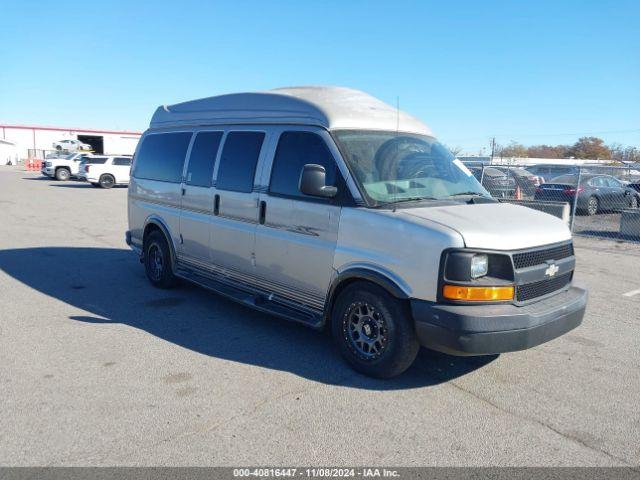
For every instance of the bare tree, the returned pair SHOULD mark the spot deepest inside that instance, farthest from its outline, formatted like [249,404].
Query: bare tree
[454,150]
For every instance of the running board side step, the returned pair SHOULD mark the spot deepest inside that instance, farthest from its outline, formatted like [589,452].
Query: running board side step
[267,303]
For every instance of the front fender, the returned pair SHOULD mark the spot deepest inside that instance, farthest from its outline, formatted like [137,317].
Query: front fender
[375,274]
[369,273]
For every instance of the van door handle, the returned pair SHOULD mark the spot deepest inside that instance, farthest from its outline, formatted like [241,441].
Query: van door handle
[263,212]
[216,204]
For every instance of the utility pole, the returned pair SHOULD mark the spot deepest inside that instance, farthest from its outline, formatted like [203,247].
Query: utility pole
[493,148]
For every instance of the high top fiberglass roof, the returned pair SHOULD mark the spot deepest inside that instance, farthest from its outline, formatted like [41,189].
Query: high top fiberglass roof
[329,107]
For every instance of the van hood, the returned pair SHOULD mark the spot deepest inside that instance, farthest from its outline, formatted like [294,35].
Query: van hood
[495,226]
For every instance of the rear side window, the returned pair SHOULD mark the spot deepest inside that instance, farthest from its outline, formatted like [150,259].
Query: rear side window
[238,162]
[123,161]
[597,182]
[295,149]
[161,157]
[202,158]
[612,182]
[95,160]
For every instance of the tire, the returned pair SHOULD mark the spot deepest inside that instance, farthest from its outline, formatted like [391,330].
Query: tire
[593,205]
[107,181]
[633,202]
[388,344]
[157,261]
[62,174]
[59,148]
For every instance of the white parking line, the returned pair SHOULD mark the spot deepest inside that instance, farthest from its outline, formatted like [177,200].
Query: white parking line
[631,293]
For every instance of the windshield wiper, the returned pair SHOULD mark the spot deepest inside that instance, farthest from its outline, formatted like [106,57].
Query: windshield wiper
[460,194]
[403,200]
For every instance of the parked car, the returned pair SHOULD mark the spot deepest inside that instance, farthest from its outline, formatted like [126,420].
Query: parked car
[71,145]
[55,154]
[635,185]
[64,167]
[301,203]
[595,194]
[499,183]
[106,171]
[525,180]
[93,160]
[547,172]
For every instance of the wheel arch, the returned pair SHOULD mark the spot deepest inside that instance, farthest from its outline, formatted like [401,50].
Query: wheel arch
[154,223]
[357,274]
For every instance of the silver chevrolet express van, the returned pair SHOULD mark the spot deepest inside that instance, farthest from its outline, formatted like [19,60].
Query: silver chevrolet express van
[328,207]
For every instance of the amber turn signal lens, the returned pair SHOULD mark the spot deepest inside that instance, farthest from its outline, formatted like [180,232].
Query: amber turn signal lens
[477,294]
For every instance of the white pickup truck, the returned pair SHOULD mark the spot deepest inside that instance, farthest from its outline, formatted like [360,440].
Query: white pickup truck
[65,167]
[106,171]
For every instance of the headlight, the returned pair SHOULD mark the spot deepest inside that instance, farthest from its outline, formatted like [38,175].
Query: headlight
[479,265]
[468,277]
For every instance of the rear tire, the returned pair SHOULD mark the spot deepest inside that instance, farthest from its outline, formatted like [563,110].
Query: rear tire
[62,174]
[374,331]
[157,261]
[593,205]
[107,181]
[633,203]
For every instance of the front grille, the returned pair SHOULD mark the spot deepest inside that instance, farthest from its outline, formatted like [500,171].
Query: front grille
[538,257]
[533,290]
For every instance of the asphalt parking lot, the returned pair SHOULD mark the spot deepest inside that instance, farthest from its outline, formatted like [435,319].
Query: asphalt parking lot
[99,368]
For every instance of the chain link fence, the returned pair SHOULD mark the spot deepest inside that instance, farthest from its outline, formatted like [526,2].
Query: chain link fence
[598,201]
[43,154]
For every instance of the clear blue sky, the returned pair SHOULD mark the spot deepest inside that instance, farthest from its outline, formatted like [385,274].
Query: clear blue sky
[540,72]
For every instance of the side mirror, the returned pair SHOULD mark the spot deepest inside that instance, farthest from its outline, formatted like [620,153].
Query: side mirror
[313,182]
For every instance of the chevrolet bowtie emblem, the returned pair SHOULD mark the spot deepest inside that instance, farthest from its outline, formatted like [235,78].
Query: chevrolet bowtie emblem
[552,270]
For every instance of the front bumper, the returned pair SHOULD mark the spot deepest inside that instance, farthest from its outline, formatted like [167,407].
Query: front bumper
[48,171]
[490,329]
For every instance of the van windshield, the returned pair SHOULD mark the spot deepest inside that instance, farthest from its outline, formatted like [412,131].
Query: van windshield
[391,167]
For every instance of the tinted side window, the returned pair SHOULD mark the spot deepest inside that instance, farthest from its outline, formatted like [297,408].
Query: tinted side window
[295,149]
[161,156]
[238,162]
[96,160]
[203,156]
[121,161]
